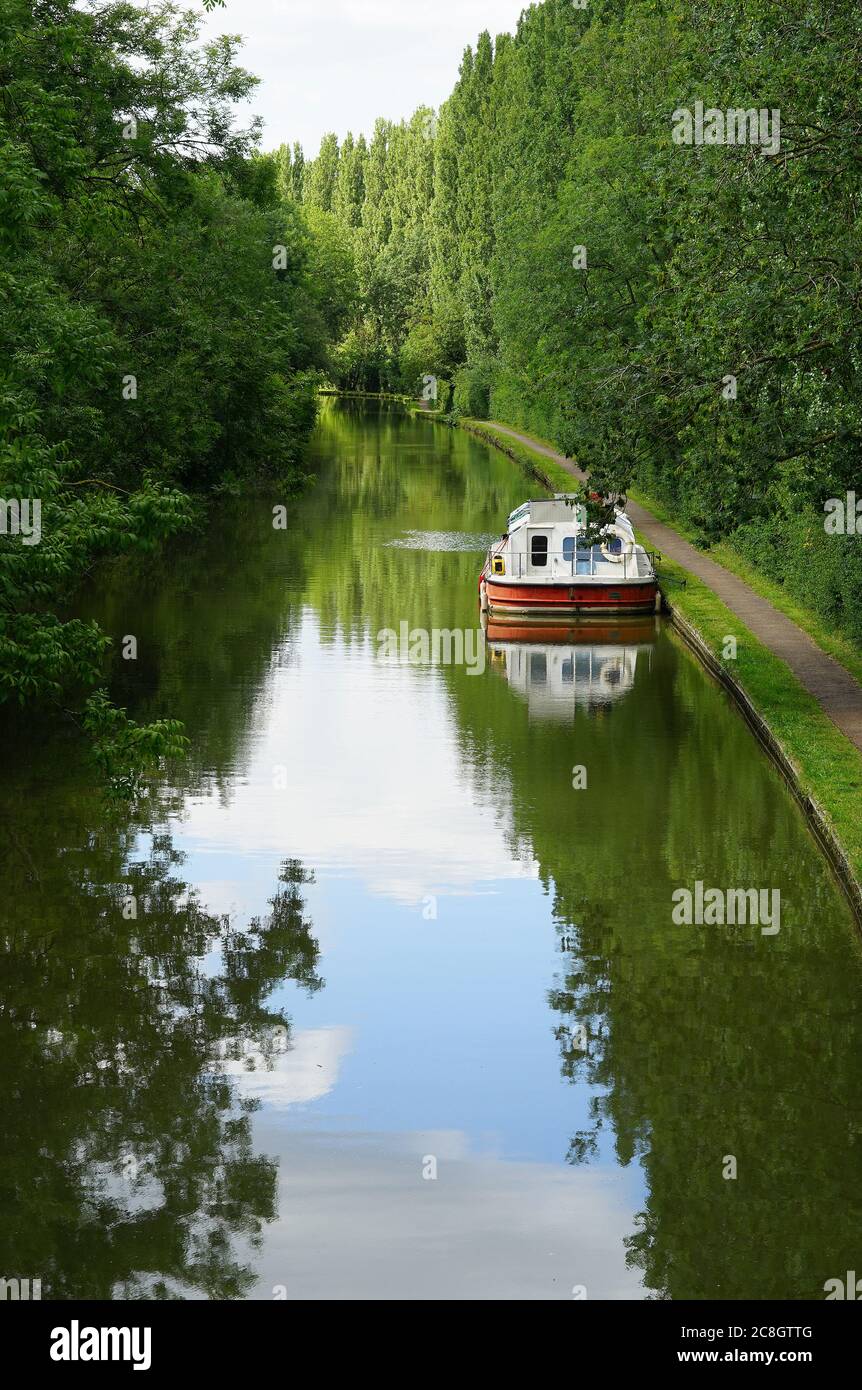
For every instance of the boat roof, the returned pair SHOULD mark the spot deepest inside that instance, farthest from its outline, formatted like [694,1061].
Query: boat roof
[556,508]
[562,507]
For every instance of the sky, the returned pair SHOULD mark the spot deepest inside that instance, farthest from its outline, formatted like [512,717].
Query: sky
[339,64]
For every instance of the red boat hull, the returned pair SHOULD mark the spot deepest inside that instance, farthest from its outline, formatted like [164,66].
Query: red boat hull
[515,601]
[609,631]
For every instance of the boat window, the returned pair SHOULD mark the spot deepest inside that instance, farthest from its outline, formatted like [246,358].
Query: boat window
[582,668]
[568,548]
[567,671]
[539,550]
[538,667]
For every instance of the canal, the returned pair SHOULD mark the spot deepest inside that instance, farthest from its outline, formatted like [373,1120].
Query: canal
[383,994]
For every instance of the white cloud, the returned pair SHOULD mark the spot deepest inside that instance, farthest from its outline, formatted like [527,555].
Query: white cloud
[338,64]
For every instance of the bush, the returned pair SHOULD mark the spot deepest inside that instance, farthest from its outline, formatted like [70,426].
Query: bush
[472,391]
[823,572]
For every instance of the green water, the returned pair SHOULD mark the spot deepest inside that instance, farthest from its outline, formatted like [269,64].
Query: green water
[371,1000]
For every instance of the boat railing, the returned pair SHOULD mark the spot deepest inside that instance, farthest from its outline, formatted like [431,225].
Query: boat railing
[630,562]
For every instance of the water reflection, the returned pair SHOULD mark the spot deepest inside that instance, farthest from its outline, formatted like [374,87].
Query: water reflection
[559,670]
[505,988]
[128,1166]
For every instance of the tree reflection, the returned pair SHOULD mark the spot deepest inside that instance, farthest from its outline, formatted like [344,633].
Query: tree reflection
[691,1043]
[128,1168]
[717,1043]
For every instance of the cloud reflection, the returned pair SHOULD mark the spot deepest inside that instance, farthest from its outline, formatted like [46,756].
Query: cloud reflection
[484,1229]
[375,780]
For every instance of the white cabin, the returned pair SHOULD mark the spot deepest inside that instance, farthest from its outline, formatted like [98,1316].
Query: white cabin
[543,543]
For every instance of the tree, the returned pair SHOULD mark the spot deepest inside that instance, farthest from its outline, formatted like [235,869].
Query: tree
[160,326]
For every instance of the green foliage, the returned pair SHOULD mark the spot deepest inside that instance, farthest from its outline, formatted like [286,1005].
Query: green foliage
[164,313]
[321,175]
[125,750]
[472,393]
[380,194]
[702,263]
[333,290]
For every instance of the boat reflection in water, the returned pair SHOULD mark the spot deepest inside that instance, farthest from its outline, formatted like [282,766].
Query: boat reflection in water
[587,665]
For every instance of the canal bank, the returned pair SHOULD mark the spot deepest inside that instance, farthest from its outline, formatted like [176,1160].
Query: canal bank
[802,704]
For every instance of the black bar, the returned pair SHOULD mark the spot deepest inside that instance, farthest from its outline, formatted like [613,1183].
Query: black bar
[259,1337]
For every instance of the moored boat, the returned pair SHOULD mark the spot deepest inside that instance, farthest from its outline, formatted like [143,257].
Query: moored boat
[543,567]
